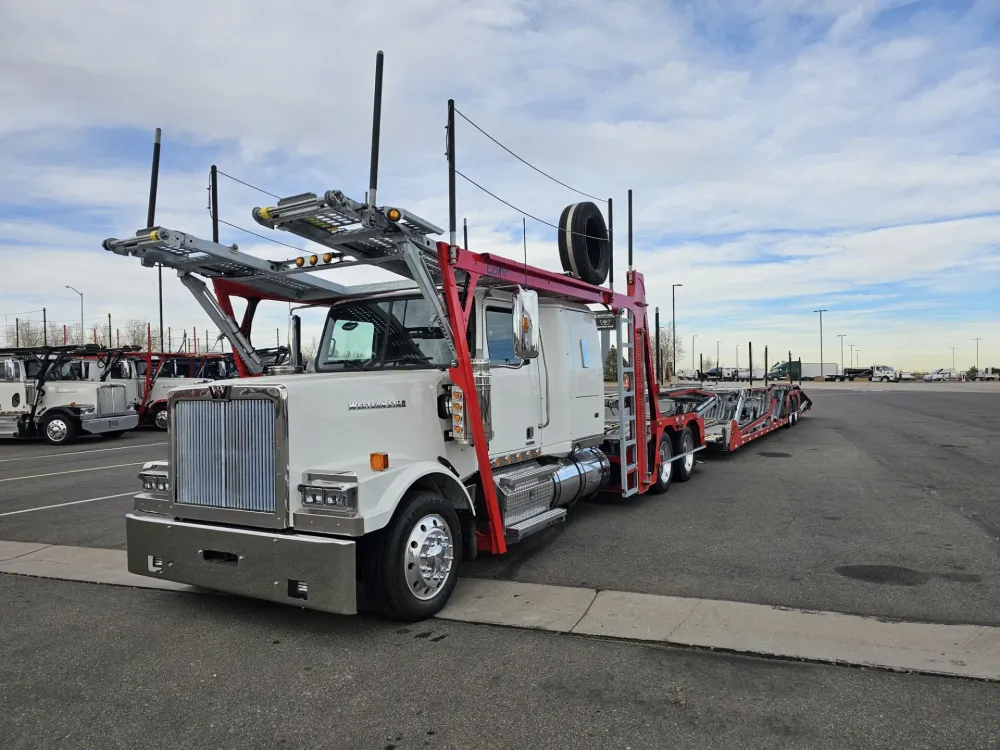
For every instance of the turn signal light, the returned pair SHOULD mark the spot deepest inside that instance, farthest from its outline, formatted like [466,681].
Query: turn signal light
[313,260]
[300,262]
[393,214]
[379,461]
[327,257]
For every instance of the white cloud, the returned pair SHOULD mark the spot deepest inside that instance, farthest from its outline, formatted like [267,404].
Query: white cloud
[785,129]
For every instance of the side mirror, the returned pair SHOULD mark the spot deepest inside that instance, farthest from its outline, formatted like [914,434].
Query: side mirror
[526,332]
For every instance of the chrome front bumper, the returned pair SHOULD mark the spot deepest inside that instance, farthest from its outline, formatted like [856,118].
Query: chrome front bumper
[109,424]
[308,571]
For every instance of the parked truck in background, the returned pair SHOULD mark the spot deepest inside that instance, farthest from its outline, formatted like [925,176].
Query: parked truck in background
[803,370]
[45,392]
[874,373]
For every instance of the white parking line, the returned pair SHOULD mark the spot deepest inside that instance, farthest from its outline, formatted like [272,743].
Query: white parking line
[80,453]
[63,505]
[73,471]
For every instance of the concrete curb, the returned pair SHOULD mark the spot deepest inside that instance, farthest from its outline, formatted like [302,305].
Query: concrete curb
[927,648]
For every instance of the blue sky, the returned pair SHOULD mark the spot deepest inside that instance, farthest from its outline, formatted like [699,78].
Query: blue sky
[786,155]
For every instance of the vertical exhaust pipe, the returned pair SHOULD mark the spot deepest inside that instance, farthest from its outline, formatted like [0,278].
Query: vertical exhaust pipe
[295,343]
[376,131]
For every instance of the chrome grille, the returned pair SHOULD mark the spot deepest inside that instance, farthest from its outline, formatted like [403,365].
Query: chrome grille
[110,400]
[224,453]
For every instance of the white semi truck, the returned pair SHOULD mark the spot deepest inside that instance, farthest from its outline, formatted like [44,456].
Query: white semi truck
[456,410]
[46,392]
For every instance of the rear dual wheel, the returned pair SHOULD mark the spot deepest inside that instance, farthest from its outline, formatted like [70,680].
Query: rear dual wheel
[671,469]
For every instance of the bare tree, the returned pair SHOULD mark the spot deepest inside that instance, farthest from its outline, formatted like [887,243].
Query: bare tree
[709,363]
[25,333]
[667,349]
[309,350]
[135,333]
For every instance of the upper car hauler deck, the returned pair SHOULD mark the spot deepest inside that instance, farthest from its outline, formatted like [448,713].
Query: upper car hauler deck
[457,410]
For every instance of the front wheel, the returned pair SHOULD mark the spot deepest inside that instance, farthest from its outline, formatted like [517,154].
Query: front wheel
[412,565]
[161,417]
[59,429]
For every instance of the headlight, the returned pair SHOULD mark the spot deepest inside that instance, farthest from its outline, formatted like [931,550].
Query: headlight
[87,408]
[154,477]
[329,496]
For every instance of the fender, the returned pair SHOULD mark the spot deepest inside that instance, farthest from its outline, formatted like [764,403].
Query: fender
[390,485]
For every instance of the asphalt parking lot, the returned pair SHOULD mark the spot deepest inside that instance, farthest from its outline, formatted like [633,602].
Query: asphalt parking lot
[881,502]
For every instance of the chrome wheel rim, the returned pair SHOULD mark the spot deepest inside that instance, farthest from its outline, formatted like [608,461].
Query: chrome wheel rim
[688,446]
[429,557]
[56,430]
[666,465]
[162,417]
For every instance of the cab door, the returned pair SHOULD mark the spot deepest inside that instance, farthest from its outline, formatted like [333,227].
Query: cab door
[515,385]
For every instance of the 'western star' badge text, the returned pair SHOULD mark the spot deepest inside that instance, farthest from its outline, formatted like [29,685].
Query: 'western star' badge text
[376,404]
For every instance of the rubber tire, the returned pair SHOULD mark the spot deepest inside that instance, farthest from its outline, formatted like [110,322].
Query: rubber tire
[885,380]
[71,429]
[383,566]
[156,412]
[113,434]
[660,486]
[683,437]
[584,250]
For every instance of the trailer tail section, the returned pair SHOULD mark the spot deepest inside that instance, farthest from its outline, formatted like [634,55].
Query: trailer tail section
[734,417]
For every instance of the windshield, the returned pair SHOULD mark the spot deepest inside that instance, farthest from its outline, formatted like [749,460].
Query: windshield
[382,334]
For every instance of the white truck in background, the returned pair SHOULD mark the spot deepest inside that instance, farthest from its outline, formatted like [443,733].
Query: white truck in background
[45,392]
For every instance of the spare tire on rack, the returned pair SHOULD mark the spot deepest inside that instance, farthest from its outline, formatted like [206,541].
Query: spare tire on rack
[584,249]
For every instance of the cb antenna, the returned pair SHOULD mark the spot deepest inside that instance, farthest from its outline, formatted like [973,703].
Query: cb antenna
[376,128]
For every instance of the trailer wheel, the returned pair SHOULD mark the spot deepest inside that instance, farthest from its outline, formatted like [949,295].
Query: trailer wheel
[684,442]
[663,477]
[161,417]
[412,565]
[58,429]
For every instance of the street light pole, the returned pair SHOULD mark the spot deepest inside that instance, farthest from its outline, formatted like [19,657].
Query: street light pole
[81,311]
[852,354]
[718,357]
[693,337]
[977,340]
[841,337]
[952,358]
[737,360]
[821,373]
[673,324]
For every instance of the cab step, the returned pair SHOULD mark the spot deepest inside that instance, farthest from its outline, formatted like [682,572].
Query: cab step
[529,526]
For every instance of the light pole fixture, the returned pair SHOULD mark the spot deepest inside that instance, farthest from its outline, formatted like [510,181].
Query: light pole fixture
[81,310]
[821,373]
[673,327]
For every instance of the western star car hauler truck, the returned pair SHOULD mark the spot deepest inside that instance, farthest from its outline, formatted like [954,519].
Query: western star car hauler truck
[457,410]
[45,392]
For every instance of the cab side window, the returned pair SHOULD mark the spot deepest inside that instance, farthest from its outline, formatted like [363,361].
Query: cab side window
[500,336]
